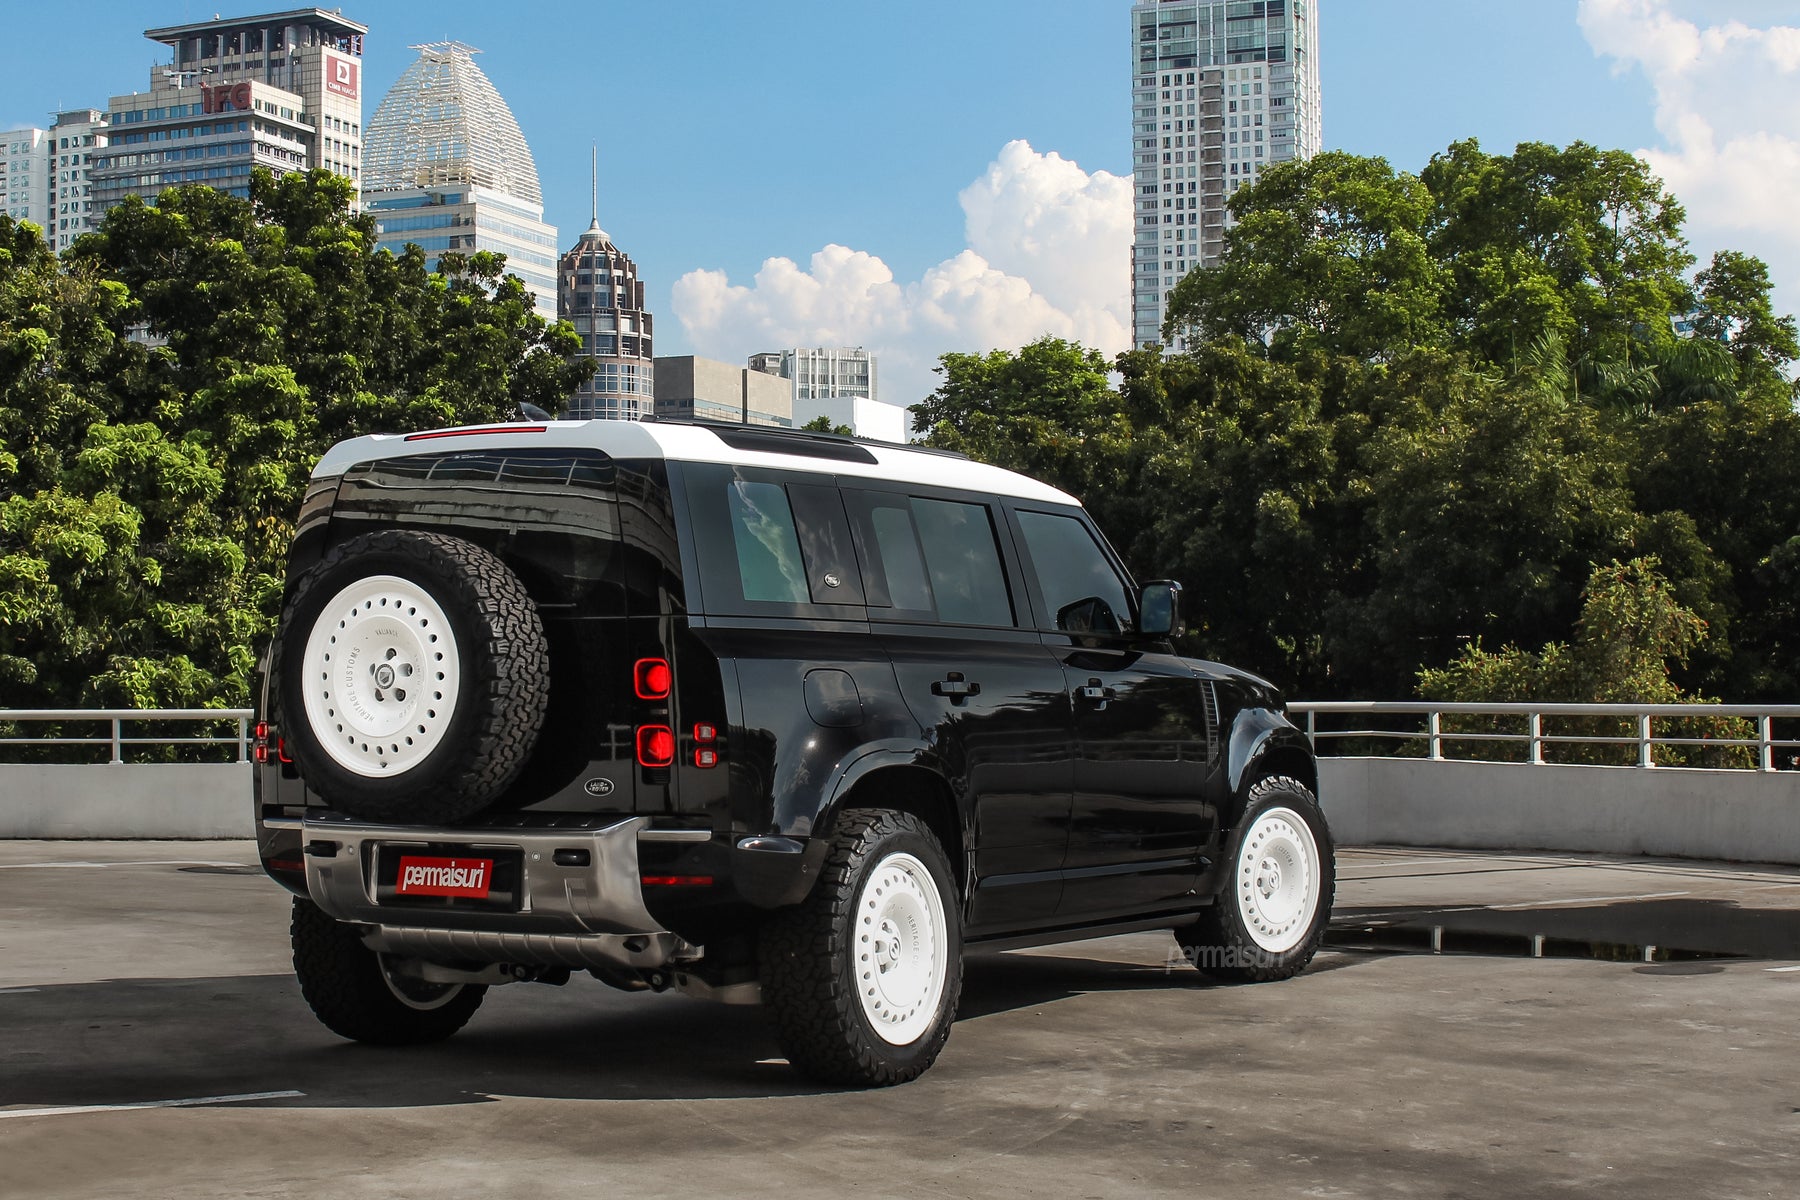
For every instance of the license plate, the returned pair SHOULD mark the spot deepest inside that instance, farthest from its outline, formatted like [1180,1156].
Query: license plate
[464,878]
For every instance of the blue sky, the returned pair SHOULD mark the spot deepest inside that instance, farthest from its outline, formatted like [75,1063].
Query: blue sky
[733,133]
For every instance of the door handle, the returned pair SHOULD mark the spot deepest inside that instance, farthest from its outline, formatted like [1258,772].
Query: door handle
[1094,691]
[955,688]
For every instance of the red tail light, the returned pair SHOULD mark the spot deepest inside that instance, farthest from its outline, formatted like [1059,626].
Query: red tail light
[655,745]
[259,749]
[652,679]
[677,880]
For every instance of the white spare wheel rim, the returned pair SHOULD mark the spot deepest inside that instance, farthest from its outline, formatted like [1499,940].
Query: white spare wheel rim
[1278,880]
[901,948]
[381,676]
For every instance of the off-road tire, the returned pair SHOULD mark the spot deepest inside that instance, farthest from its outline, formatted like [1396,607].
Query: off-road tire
[1224,944]
[347,988]
[498,694]
[813,983]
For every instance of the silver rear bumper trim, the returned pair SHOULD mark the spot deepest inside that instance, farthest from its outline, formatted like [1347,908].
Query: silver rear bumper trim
[601,897]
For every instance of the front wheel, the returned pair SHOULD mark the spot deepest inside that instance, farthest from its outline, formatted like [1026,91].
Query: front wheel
[356,993]
[1269,919]
[862,978]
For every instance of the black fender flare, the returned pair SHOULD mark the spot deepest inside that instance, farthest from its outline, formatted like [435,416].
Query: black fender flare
[1260,737]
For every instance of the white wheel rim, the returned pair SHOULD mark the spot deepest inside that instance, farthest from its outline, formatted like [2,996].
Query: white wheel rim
[381,676]
[1278,880]
[414,992]
[901,948]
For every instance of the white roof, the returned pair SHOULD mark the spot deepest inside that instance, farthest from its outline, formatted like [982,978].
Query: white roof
[693,443]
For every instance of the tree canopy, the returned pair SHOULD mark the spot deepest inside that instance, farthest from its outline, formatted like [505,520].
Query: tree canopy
[164,392]
[1417,410]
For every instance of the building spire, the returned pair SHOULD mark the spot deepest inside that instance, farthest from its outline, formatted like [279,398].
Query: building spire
[596,224]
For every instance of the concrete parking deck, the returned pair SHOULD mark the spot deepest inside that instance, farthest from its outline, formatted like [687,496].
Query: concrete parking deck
[152,1043]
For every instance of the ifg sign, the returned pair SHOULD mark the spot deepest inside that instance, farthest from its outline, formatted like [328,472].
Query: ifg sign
[226,97]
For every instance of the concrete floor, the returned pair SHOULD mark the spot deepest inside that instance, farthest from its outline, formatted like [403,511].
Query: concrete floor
[144,973]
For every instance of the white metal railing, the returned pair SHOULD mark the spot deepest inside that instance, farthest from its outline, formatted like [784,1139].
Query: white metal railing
[117,721]
[1644,717]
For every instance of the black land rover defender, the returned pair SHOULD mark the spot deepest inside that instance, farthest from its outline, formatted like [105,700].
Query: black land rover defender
[756,715]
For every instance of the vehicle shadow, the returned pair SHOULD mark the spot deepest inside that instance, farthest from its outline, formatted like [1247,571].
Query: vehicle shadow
[145,1040]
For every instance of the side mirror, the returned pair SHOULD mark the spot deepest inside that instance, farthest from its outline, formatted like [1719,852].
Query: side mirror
[1159,610]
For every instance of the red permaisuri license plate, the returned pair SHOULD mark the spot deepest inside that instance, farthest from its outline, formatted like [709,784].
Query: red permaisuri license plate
[470,878]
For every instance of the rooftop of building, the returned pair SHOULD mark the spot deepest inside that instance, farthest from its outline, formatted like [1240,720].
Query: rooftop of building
[443,122]
[331,20]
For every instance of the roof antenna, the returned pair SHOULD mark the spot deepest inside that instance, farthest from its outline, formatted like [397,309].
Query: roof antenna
[596,224]
[532,412]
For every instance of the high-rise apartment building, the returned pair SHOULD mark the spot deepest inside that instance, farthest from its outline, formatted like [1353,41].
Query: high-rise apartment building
[281,90]
[837,383]
[1221,90]
[599,293]
[25,174]
[77,138]
[446,167]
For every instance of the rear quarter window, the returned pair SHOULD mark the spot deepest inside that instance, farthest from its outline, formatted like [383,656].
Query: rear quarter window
[771,543]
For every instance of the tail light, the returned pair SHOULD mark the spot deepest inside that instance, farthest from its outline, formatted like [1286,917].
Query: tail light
[705,753]
[652,679]
[676,880]
[655,745]
[259,749]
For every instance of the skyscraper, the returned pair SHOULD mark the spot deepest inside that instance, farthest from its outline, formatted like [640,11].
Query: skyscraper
[280,90]
[598,292]
[25,160]
[1221,90]
[446,167]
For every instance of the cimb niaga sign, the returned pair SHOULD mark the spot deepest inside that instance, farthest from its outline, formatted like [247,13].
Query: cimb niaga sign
[341,75]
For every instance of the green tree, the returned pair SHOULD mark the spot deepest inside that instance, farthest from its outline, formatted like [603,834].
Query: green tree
[1328,254]
[1632,630]
[164,392]
[1575,242]
[822,424]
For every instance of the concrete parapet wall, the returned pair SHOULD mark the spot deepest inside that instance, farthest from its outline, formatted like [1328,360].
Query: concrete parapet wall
[1743,816]
[126,800]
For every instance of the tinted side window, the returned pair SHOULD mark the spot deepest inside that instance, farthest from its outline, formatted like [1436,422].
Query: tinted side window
[929,560]
[768,549]
[1081,590]
[771,543]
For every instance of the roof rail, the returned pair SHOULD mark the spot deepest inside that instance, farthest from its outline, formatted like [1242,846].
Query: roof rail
[769,438]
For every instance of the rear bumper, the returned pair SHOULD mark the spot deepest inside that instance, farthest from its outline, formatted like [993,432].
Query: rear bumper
[580,899]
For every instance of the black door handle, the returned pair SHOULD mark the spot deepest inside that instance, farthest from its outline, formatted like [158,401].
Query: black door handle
[1094,691]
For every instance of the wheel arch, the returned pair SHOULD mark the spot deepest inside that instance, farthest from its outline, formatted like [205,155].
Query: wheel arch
[904,786]
[1263,743]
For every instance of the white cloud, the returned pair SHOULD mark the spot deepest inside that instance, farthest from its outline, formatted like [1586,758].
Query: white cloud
[1728,110]
[1049,252]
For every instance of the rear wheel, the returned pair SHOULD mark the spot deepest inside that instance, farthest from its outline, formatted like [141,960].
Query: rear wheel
[863,977]
[413,677]
[357,993]
[1270,918]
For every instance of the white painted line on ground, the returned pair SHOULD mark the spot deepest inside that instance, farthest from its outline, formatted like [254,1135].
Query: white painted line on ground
[141,862]
[1589,900]
[73,1110]
[1780,970]
[1350,863]
[20,991]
